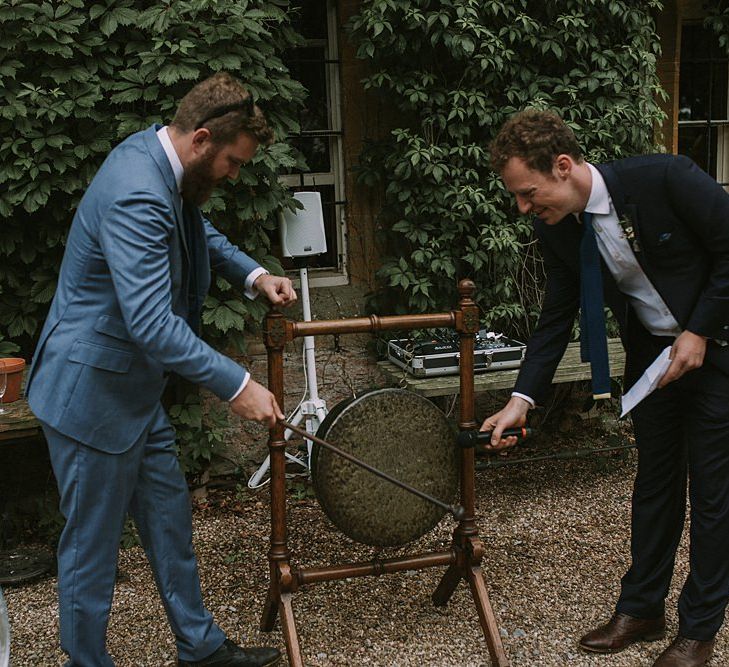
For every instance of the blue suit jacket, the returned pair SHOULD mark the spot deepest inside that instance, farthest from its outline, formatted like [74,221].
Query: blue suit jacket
[681,220]
[129,296]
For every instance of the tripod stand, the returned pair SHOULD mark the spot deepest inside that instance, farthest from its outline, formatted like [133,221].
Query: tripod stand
[311,409]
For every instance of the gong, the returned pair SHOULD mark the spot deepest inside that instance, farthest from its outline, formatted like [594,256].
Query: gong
[402,434]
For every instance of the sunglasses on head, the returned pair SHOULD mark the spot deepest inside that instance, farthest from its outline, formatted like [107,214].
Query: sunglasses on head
[244,105]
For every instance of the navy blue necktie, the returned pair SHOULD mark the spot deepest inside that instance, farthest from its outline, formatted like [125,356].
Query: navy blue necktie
[593,338]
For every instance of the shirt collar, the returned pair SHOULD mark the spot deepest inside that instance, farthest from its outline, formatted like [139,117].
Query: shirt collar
[164,138]
[599,201]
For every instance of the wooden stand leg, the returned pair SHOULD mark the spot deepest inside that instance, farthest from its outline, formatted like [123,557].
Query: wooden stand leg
[471,571]
[486,615]
[279,603]
[288,626]
[270,609]
[447,586]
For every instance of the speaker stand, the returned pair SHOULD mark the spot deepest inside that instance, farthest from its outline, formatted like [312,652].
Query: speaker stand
[311,410]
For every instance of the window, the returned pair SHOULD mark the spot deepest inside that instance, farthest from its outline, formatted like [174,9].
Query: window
[316,65]
[703,121]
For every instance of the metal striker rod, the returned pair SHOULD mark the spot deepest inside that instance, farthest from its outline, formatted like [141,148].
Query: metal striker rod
[456,510]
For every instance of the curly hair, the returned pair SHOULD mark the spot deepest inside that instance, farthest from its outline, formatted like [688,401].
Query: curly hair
[222,105]
[535,136]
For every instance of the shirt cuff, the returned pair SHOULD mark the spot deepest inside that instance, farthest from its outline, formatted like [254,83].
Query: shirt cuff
[243,385]
[250,291]
[528,399]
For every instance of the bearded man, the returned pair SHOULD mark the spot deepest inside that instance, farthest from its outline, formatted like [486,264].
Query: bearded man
[125,315]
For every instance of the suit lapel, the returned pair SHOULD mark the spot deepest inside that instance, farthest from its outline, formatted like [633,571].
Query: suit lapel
[177,200]
[626,211]
[163,164]
[614,187]
[199,278]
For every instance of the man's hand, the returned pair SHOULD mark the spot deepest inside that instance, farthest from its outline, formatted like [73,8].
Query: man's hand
[514,413]
[277,289]
[687,354]
[257,403]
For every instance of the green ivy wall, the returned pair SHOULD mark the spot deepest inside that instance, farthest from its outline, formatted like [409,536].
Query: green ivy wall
[78,77]
[455,70]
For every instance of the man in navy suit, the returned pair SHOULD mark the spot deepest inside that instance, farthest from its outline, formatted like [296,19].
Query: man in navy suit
[662,230]
[125,315]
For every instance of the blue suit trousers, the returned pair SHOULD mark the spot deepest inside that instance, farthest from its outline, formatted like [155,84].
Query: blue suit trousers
[97,490]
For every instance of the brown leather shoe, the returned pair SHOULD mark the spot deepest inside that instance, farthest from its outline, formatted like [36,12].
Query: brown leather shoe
[621,631]
[686,653]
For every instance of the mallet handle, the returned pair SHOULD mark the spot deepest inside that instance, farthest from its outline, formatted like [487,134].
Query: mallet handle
[473,438]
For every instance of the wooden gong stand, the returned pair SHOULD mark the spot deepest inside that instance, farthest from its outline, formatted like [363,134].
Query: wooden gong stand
[464,557]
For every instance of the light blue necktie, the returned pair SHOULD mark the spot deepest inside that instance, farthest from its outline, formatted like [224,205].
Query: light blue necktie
[593,338]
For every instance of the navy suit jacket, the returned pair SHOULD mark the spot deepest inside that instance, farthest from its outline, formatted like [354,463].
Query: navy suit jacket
[128,301]
[680,216]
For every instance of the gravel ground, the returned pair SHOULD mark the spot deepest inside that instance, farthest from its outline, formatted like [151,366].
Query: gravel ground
[556,537]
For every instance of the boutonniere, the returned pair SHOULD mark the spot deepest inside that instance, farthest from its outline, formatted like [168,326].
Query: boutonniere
[628,233]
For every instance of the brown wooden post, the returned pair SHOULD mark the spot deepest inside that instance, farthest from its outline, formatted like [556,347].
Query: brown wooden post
[468,330]
[281,581]
[466,541]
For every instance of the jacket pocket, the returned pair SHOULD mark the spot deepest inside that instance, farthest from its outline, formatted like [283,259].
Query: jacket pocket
[100,356]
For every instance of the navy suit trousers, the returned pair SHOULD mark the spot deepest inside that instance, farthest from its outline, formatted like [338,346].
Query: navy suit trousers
[682,436]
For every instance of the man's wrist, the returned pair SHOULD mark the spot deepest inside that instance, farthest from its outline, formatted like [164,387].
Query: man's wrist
[249,288]
[527,399]
[243,385]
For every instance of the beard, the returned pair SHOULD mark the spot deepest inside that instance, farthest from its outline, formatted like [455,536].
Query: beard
[197,180]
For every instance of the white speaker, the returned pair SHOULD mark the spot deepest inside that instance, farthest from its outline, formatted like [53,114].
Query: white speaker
[302,230]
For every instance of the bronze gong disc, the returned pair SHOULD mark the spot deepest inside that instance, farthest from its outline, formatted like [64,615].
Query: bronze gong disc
[402,434]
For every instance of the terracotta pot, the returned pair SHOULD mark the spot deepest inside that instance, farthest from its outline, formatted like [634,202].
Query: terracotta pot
[14,369]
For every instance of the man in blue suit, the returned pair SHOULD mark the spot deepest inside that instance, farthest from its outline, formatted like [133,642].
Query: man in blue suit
[125,315]
[661,227]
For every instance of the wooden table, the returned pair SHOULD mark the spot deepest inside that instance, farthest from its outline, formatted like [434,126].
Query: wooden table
[18,422]
[25,456]
[570,369]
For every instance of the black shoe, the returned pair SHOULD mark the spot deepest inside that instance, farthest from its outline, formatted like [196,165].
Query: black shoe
[230,655]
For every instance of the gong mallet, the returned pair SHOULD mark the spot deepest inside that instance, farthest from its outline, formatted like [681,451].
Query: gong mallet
[468,439]
[457,511]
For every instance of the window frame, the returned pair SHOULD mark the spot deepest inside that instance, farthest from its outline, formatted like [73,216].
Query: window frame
[329,277]
[718,149]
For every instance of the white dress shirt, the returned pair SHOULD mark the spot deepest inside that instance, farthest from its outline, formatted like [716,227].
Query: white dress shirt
[249,290]
[618,256]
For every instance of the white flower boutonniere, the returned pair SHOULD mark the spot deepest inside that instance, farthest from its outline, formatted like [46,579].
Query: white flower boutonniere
[628,233]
